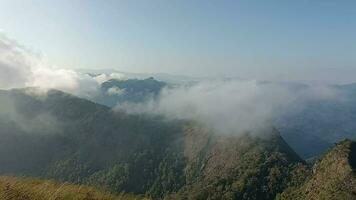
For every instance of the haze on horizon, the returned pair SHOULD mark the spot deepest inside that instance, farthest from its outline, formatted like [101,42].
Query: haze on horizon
[274,40]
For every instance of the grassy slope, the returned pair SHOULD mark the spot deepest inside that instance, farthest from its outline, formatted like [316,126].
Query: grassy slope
[33,189]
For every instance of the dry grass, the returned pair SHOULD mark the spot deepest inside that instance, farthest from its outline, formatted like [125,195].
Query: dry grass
[13,188]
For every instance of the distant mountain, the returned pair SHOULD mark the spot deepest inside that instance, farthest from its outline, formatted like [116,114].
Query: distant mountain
[113,92]
[60,136]
[332,177]
[310,131]
[168,78]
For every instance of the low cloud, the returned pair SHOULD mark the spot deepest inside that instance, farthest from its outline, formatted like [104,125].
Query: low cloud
[37,121]
[101,78]
[228,106]
[22,67]
[115,91]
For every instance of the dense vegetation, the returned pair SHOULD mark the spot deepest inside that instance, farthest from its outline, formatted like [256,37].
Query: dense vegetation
[70,139]
[59,136]
[244,167]
[332,177]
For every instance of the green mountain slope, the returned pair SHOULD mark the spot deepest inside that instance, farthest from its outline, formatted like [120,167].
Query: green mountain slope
[85,142]
[237,167]
[332,177]
[66,138]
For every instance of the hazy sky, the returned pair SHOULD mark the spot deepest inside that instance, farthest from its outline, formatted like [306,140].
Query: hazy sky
[276,39]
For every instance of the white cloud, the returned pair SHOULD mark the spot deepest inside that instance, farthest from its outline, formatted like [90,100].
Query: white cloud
[232,106]
[115,91]
[105,77]
[226,106]
[21,67]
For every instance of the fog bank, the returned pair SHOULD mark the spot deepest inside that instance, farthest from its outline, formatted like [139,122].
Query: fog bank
[229,106]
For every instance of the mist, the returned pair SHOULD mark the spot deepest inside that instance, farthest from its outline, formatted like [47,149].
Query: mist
[230,106]
[227,106]
[27,119]
[22,67]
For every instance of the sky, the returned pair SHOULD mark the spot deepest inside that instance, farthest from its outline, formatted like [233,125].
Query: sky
[269,40]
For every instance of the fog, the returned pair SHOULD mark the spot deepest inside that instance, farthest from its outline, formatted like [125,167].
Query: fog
[230,106]
[27,119]
[23,67]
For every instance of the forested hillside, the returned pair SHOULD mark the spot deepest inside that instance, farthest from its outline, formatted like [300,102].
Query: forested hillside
[59,136]
[332,177]
[70,139]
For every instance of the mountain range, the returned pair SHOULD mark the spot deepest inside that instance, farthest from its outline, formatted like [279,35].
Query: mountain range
[310,130]
[59,136]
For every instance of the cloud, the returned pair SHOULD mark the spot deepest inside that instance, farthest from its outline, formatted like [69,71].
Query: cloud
[115,91]
[38,121]
[101,78]
[232,106]
[228,106]
[22,67]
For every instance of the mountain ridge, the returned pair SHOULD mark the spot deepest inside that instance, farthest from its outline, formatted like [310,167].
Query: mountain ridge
[150,155]
[332,177]
[139,154]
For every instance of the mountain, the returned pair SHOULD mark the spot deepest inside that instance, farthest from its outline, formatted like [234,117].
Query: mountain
[168,78]
[237,167]
[12,188]
[113,92]
[57,135]
[60,136]
[332,177]
[310,128]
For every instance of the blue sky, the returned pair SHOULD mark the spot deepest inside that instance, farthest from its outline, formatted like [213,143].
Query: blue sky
[277,39]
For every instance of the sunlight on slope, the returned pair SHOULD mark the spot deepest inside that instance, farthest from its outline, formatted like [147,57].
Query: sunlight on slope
[13,188]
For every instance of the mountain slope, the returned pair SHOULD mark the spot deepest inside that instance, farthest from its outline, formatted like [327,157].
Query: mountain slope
[60,136]
[237,167]
[333,177]
[86,143]
[12,188]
